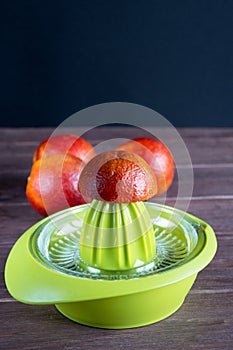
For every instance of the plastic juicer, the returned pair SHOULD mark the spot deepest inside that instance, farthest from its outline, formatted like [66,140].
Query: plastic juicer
[111,265]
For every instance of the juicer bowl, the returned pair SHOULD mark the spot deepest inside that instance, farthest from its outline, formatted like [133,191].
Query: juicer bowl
[45,267]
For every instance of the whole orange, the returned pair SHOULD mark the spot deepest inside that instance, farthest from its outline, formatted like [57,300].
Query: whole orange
[53,183]
[157,155]
[65,143]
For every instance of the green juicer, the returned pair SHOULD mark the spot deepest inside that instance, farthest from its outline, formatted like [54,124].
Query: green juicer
[111,265]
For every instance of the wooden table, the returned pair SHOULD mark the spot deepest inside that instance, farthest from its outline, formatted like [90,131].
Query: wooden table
[205,321]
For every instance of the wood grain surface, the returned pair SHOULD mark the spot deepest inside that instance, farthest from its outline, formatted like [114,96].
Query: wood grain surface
[205,321]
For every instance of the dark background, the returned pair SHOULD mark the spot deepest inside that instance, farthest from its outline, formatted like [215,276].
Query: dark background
[58,57]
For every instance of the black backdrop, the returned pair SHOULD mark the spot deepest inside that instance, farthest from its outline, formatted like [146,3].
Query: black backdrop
[58,57]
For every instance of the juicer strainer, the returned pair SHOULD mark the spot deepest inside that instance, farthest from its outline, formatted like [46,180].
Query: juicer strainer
[46,266]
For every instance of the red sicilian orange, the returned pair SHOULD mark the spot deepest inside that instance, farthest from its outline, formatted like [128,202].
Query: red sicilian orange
[119,177]
[65,143]
[157,155]
[53,183]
